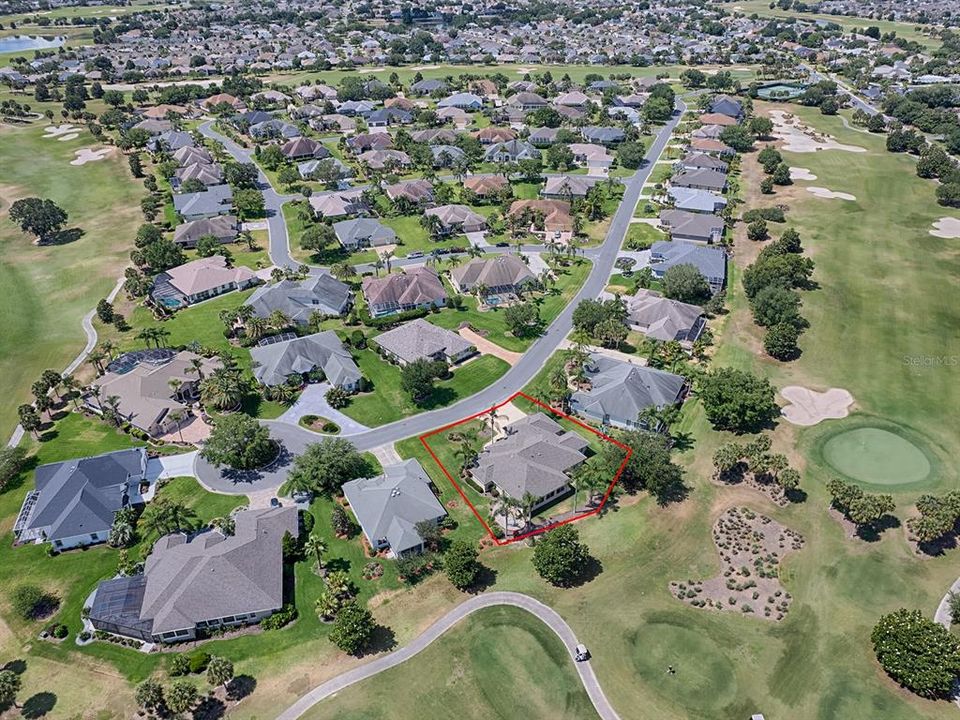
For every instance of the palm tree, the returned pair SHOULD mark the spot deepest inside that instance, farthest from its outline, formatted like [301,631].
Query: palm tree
[377,265]
[107,347]
[327,605]
[175,383]
[225,524]
[70,387]
[284,393]
[113,404]
[481,291]
[178,416]
[146,335]
[387,256]
[161,335]
[343,270]
[278,320]
[256,328]
[96,358]
[222,390]
[527,503]
[245,312]
[196,366]
[493,416]
[315,545]
[121,534]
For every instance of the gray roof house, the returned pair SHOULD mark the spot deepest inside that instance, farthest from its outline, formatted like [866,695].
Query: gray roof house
[726,105]
[620,391]
[299,299]
[413,288]
[457,219]
[420,340]
[701,179]
[511,151]
[276,362]
[694,200]
[603,135]
[389,506]
[215,200]
[75,500]
[691,226]
[500,274]
[710,261]
[463,100]
[565,187]
[534,456]
[363,232]
[664,319]
[223,227]
[192,583]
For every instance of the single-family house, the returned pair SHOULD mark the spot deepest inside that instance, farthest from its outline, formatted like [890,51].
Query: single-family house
[499,274]
[692,226]
[620,391]
[535,455]
[363,232]
[695,200]
[664,319]
[457,219]
[215,200]
[300,299]
[74,501]
[492,135]
[487,186]
[338,204]
[726,105]
[223,227]
[276,362]
[155,391]
[194,583]
[603,135]
[555,214]
[384,159]
[389,507]
[416,192]
[565,187]
[700,179]
[303,147]
[200,279]
[464,101]
[527,101]
[410,290]
[421,340]
[710,261]
[511,151]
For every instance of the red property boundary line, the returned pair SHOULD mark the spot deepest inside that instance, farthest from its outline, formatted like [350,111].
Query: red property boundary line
[578,516]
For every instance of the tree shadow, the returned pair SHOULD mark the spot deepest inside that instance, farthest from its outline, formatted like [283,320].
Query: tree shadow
[485,579]
[935,548]
[38,705]
[337,564]
[873,531]
[18,666]
[240,687]
[682,441]
[590,571]
[64,237]
[795,495]
[210,708]
[382,639]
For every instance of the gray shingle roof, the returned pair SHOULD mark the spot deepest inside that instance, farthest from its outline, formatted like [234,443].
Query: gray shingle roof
[298,299]
[622,390]
[364,231]
[300,355]
[711,262]
[498,271]
[80,496]
[390,505]
[419,339]
[534,456]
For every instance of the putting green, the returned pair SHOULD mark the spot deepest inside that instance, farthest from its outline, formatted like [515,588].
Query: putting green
[704,681]
[876,456]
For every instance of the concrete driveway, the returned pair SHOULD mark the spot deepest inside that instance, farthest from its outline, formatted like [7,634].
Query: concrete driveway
[313,402]
[171,466]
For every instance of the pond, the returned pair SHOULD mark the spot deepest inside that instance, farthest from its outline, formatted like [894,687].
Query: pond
[21,43]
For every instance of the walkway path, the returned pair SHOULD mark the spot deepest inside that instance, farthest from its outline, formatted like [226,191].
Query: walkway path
[488,347]
[942,615]
[295,438]
[385,662]
[313,401]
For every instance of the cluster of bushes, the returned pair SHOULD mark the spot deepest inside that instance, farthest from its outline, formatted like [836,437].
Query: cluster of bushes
[938,516]
[863,509]
[918,653]
[31,602]
[778,172]
[189,664]
[822,95]
[282,617]
[771,284]
[755,457]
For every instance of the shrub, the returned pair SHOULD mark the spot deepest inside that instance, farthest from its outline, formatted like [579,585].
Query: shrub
[179,665]
[60,631]
[771,214]
[31,602]
[198,661]
[916,652]
[284,616]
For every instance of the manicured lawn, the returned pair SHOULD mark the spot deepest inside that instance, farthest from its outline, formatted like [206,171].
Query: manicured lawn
[661,173]
[641,236]
[387,402]
[413,236]
[491,322]
[646,209]
[494,662]
[47,290]
[332,254]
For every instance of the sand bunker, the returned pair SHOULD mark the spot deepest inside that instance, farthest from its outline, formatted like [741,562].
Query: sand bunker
[946,227]
[799,173]
[751,547]
[52,131]
[67,138]
[809,407]
[828,194]
[85,155]
[799,138]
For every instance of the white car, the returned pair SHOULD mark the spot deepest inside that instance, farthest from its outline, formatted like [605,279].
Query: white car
[580,653]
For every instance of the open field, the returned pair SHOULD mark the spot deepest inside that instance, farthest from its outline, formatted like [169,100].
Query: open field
[493,663]
[910,31]
[47,290]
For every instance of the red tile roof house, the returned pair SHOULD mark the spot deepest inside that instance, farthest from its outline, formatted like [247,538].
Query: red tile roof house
[199,280]
[412,289]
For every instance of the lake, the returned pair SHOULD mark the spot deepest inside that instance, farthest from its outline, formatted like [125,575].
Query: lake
[21,43]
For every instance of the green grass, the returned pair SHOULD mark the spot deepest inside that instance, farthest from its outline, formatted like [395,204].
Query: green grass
[491,664]
[413,236]
[47,290]
[491,321]
[386,402]
[642,235]
[332,254]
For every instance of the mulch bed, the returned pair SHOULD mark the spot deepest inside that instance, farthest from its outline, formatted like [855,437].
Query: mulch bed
[751,547]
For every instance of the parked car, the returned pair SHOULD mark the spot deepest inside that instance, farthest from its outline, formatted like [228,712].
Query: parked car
[415,254]
[503,243]
[580,653]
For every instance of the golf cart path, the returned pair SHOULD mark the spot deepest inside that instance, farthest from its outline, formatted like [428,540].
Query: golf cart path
[549,617]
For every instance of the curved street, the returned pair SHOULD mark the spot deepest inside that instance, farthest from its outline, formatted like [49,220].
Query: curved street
[549,617]
[295,438]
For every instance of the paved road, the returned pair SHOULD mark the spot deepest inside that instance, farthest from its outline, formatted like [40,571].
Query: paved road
[295,438]
[857,101]
[273,201]
[524,602]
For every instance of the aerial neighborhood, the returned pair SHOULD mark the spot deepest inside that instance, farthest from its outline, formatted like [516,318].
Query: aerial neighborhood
[600,347]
